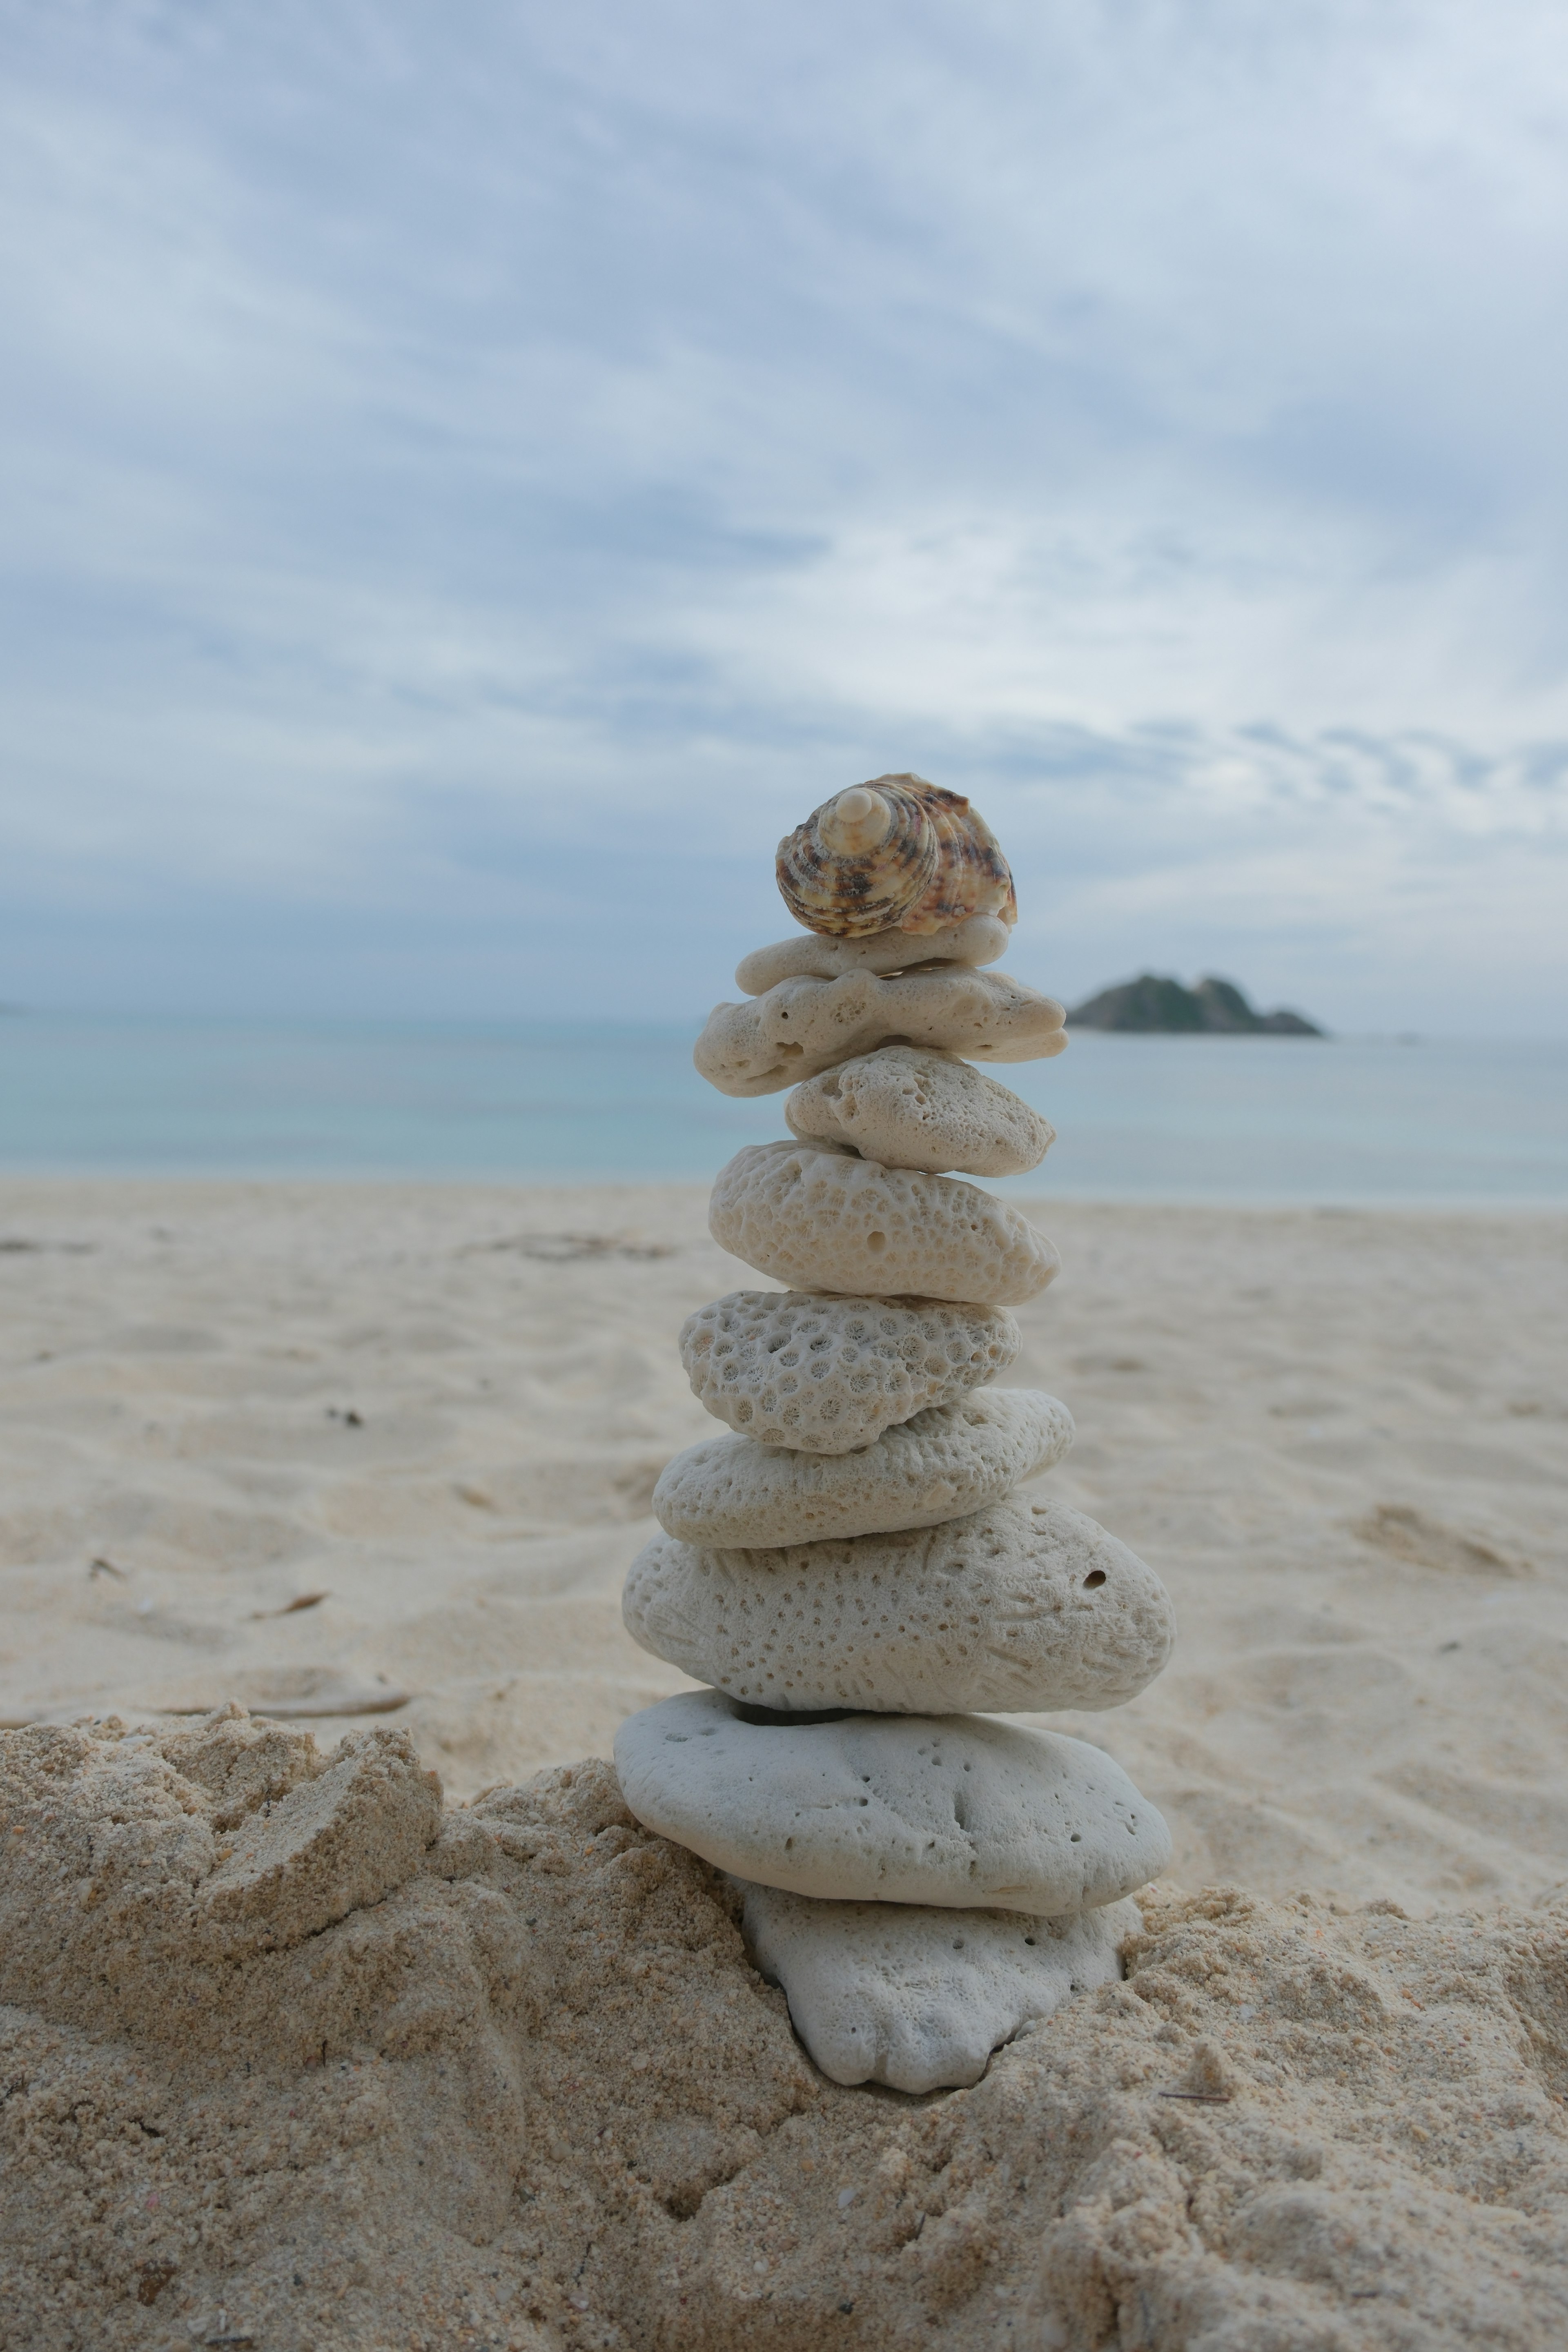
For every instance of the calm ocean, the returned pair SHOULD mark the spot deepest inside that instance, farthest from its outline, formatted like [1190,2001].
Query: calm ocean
[1169,1119]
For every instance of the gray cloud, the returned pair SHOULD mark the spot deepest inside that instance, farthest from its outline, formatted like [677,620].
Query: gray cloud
[474,480]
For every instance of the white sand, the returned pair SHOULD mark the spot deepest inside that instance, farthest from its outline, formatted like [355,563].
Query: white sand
[1343,1439]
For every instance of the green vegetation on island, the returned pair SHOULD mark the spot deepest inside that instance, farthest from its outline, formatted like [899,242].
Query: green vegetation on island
[1214,1008]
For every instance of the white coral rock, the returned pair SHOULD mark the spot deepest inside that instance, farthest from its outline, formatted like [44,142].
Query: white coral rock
[802,1026]
[949,1460]
[1021,1607]
[818,1219]
[956,1811]
[829,1374]
[910,1106]
[918,1997]
[982,939]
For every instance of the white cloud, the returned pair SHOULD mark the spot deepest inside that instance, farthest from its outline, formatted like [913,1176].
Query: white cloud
[441,448]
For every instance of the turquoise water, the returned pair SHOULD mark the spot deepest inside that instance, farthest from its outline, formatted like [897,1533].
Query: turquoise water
[1173,1119]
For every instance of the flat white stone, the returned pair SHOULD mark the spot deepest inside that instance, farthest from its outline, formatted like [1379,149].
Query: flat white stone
[948,1461]
[1021,1608]
[910,1106]
[919,1998]
[811,956]
[820,1219]
[957,1811]
[802,1026]
[826,1375]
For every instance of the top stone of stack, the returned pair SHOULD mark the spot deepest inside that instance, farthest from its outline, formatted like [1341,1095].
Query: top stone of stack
[897,853]
[904,893]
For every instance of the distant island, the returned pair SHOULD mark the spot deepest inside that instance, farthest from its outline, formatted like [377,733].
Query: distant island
[1214,1008]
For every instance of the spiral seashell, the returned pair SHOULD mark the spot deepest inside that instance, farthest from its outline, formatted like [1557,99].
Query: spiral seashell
[897,853]
[972,876]
[860,861]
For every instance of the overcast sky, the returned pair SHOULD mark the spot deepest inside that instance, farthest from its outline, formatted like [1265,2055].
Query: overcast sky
[475,475]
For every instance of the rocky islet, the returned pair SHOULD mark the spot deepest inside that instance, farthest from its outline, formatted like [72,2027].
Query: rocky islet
[851,1572]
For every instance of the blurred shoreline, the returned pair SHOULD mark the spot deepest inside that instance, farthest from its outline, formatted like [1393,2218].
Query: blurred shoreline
[1206,1121]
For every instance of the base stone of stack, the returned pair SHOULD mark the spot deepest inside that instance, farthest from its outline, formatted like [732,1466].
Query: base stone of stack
[959,1811]
[1020,1609]
[943,1464]
[908,1106]
[918,1997]
[828,1375]
[819,1218]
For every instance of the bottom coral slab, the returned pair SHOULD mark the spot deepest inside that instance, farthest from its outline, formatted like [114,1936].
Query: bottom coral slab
[919,1998]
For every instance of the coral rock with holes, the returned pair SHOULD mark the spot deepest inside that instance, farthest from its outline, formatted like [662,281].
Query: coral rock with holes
[728,1491]
[909,1106]
[853,1573]
[802,1026]
[827,1375]
[954,1809]
[1018,1609]
[805,1211]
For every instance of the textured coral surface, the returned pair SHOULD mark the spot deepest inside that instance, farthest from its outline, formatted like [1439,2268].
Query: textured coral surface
[906,1109]
[946,1462]
[1025,1607]
[828,1375]
[803,1026]
[963,1811]
[535,2095]
[820,1220]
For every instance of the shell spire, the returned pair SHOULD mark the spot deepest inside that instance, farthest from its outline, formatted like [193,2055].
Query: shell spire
[860,861]
[897,853]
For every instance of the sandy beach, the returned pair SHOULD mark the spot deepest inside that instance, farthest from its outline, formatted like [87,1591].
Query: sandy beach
[372,1460]
[1341,1439]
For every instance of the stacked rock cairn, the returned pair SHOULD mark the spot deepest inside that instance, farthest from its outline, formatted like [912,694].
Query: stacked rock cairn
[853,1570]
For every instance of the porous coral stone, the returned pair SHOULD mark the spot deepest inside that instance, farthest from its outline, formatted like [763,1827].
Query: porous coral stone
[1018,1609]
[803,1026]
[949,1460]
[910,1106]
[811,1216]
[828,1374]
[956,1811]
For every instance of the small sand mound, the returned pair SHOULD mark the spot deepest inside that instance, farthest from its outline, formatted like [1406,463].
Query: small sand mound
[297,2058]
